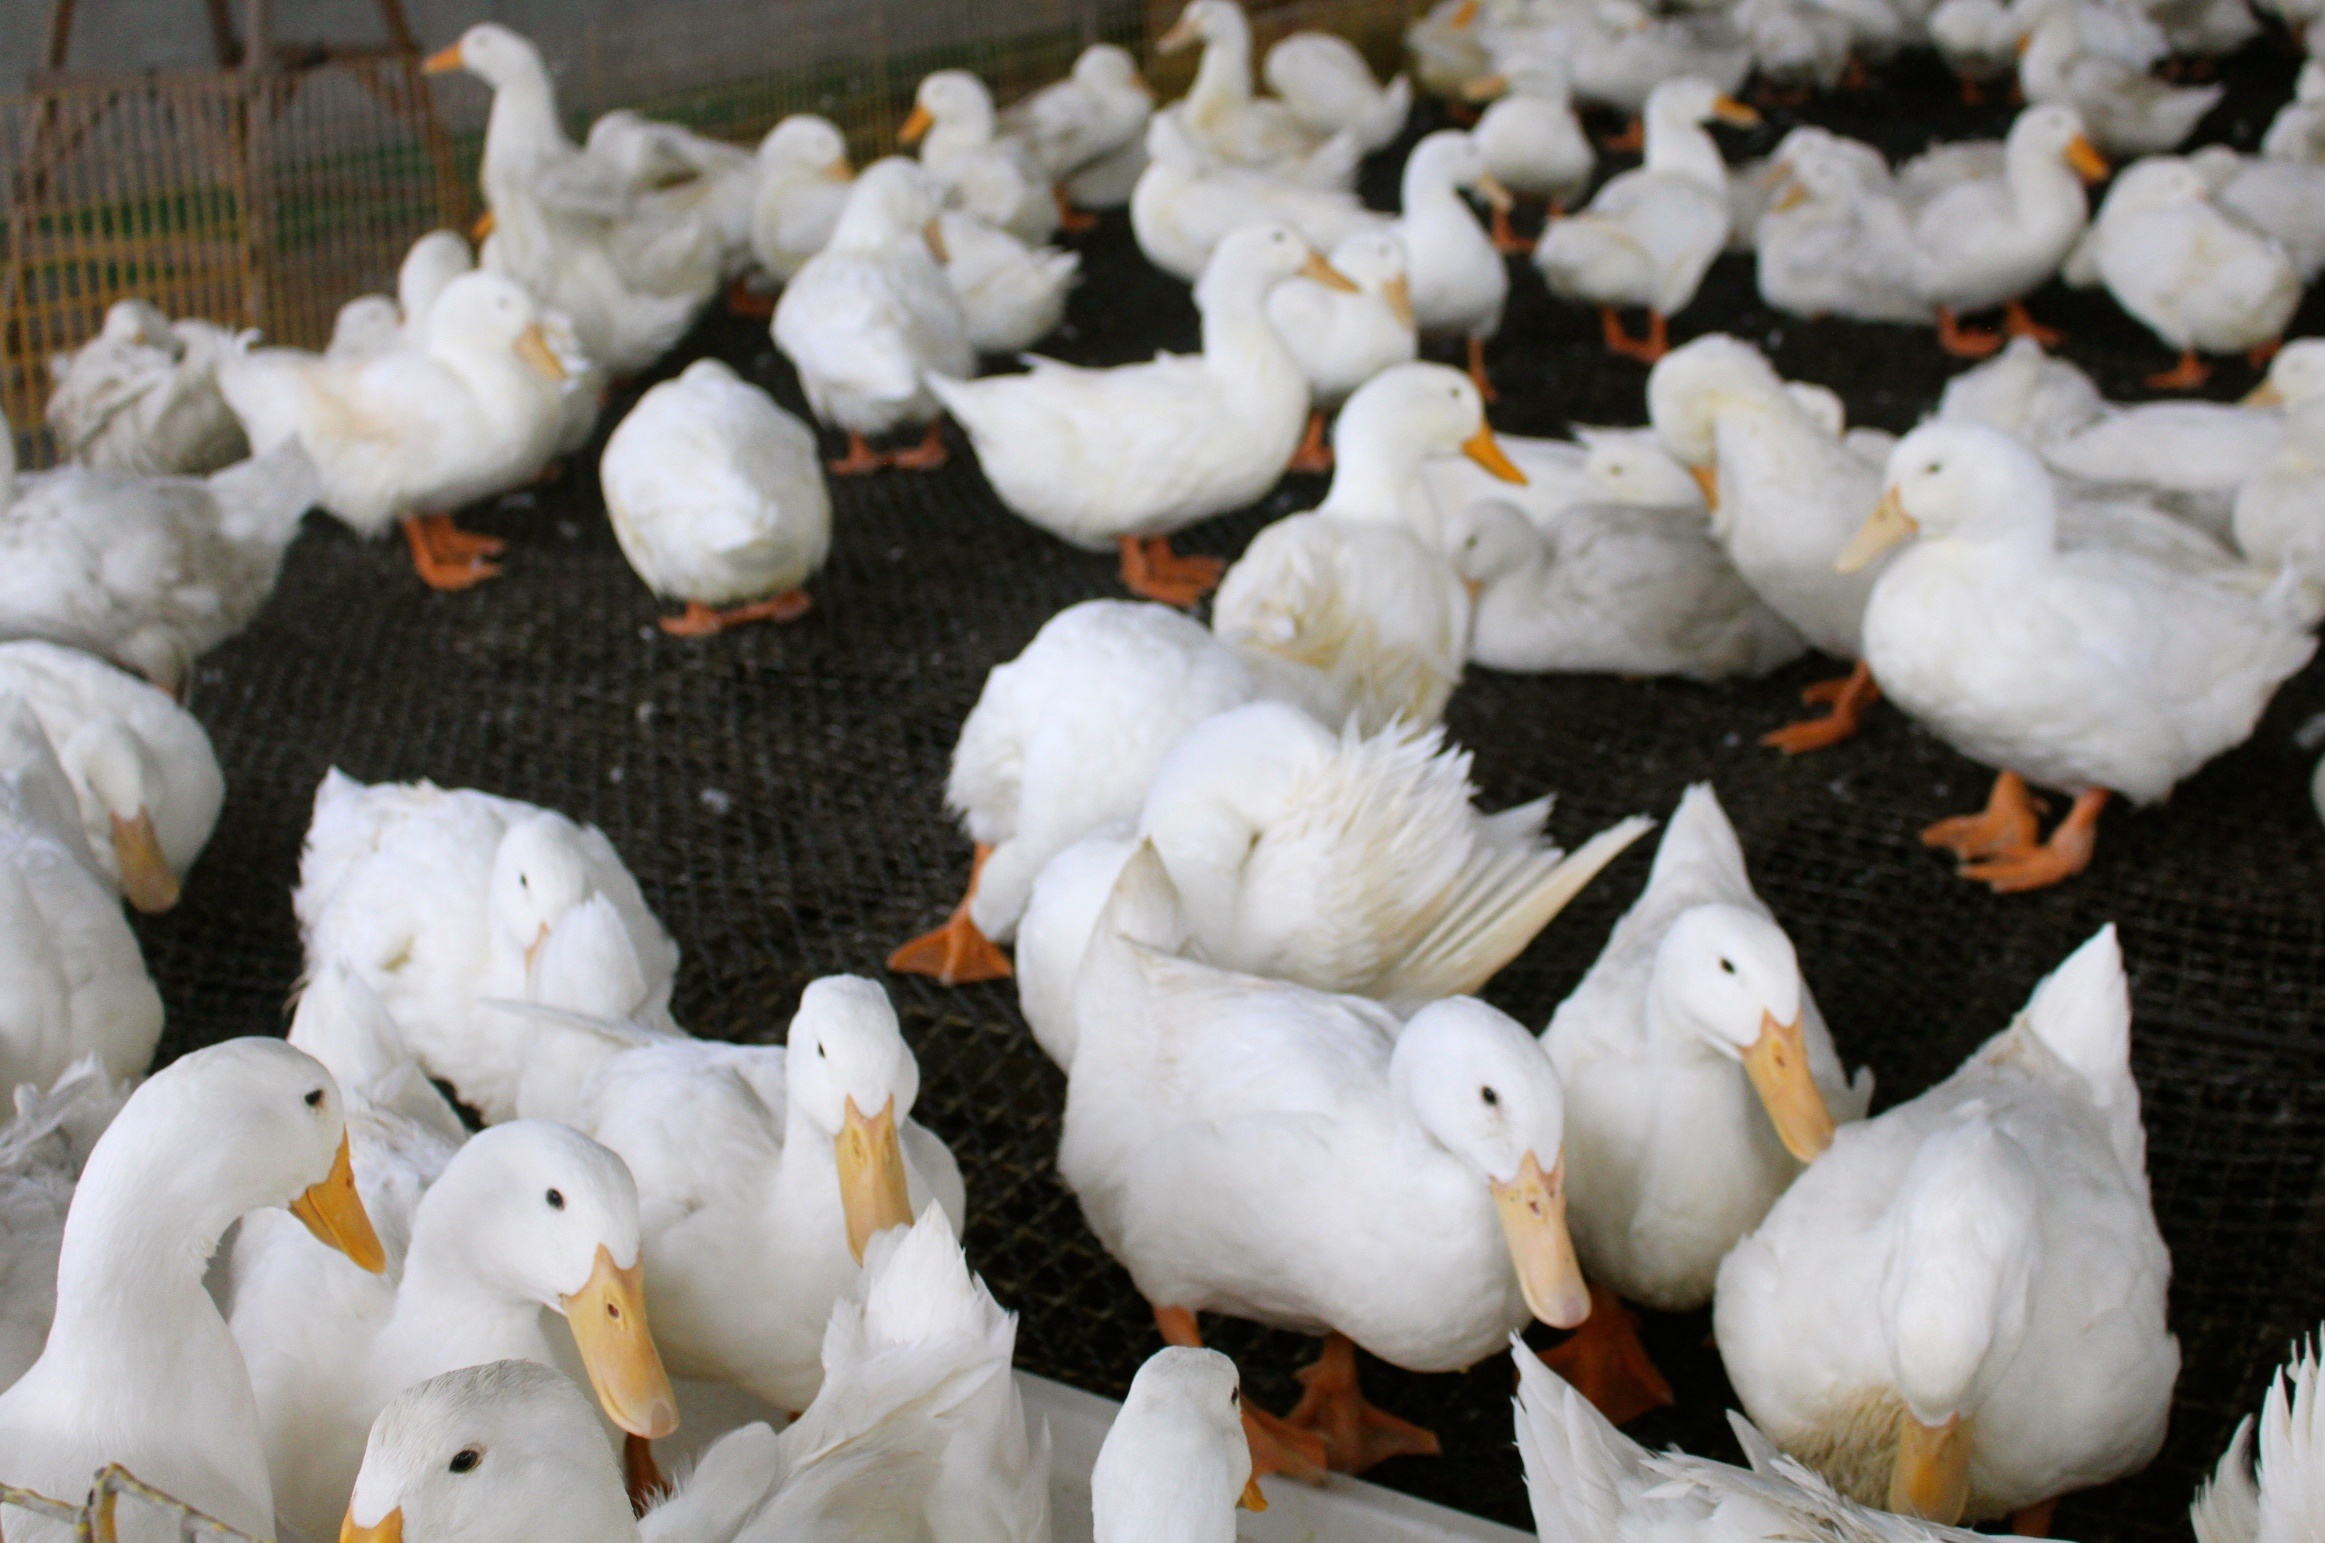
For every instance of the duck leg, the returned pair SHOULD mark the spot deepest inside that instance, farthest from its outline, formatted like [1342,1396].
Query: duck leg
[1154,572]
[1313,455]
[1356,1435]
[1277,1445]
[434,559]
[640,1476]
[1965,342]
[1848,697]
[928,455]
[1607,1364]
[744,301]
[1632,138]
[1508,241]
[2019,322]
[1973,94]
[1073,221]
[1477,374]
[2006,824]
[2034,1521]
[449,540]
[2067,853]
[2260,354]
[700,621]
[956,953]
[1646,350]
[2187,375]
[861,458]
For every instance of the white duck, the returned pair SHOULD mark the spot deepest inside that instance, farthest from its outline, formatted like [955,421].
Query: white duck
[444,900]
[869,320]
[1012,295]
[1406,1168]
[1620,53]
[1456,277]
[142,769]
[1955,1369]
[150,572]
[1397,435]
[2127,110]
[1530,137]
[679,181]
[2278,1501]
[1088,130]
[76,981]
[1340,338]
[1611,588]
[718,499]
[1648,235]
[2097,669]
[1598,466]
[528,1219]
[139,1368]
[2281,199]
[370,325]
[570,227]
[803,185]
[1175,1462]
[1832,245]
[2279,515]
[2297,133]
[993,176]
[2197,277]
[43,1148]
[2043,400]
[1324,81]
[142,396]
[1699,1078]
[1125,456]
[1185,203]
[411,434]
[1222,117]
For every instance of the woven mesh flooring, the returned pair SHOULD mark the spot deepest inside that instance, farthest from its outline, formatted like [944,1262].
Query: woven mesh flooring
[777,792]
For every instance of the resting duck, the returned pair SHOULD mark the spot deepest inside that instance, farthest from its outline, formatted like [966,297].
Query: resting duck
[142,769]
[1648,235]
[2097,669]
[1456,277]
[1343,338]
[718,499]
[977,169]
[1186,203]
[869,320]
[1407,1168]
[139,1368]
[2024,391]
[1088,130]
[1531,140]
[1123,457]
[142,396]
[1964,1372]
[1222,117]
[804,181]
[1012,295]
[2075,57]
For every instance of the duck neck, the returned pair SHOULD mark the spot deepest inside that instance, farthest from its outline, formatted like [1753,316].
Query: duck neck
[1677,146]
[1426,189]
[138,1237]
[1239,342]
[2044,187]
[959,133]
[522,127]
[1223,80]
[449,1313]
[1376,470]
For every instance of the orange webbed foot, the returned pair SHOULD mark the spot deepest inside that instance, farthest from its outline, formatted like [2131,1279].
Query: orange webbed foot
[746,302]
[1356,1435]
[2019,322]
[1646,350]
[928,455]
[1314,455]
[1506,240]
[1848,696]
[860,459]
[700,621]
[957,953]
[1607,1364]
[1965,342]
[2187,375]
[1152,571]
[2006,824]
[438,569]
[2067,853]
[1073,221]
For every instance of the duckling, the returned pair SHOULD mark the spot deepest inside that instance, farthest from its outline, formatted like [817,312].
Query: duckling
[1342,338]
[1012,295]
[1186,203]
[1648,236]
[718,499]
[2099,669]
[1327,85]
[2242,1505]
[1125,456]
[43,1148]
[1953,1370]
[1458,280]
[2128,111]
[1532,142]
[1175,1462]
[526,1219]
[1088,130]
[953,123]
[444,900]
[142,770]
[804,181]
[411,434]
[869,320]
[1222,117]
[142,397]
[139,1368]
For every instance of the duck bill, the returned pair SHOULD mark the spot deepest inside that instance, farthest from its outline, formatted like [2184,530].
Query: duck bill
[608,1319]
[2085,158]
[1777,1063]
[873,1194]
[1888,525]
[1497,197]
[1708,479]
[1398,292]
[1486,88]
[1251,1499]
[147,879]
[1532,1207]
[1186,33]
[2265,394]
[388,1529]
[334,1213]
[1790,195]
[1325,274]
[916,123]
[840,171]
[1464,16]
[1728,110]
[533,347]
[1931,1475]
[443,61]
[1486,451]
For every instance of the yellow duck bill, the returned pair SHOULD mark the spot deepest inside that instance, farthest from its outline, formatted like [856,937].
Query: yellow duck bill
[873,1192]
[334,1213]
[1486,451]
[608,1319]
[1532,1207]
[1777,1063]
[1930,1477]
[148,881]
[1888,525]
[388,1529]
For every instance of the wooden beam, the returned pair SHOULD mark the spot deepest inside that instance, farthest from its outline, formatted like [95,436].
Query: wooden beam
[258,34]
[223,44]
[60,33]
[399,26]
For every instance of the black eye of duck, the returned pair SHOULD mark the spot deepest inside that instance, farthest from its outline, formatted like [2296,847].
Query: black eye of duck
[556,1199]
[315,1099]
[465,1460]
[1492,1099]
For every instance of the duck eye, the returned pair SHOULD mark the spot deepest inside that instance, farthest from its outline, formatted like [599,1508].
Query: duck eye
[819,1050]
[466,1459]
[1235,1398]
[1492,1099]
[556,1199]
[1728,966]
[315,1099]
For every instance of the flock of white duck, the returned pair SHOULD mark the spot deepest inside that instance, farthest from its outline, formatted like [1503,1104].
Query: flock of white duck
[1250,894]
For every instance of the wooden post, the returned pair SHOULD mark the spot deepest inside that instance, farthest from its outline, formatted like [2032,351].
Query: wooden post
[255,196]
[60,33]
[224,46]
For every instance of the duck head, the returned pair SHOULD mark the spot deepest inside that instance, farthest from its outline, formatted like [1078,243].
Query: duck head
[1401,417]
[1489,538]
[1176,1463]
[111,767]
[2296,376]
[1958,481]
[1108,70]
[891,201]
[1374,261]
[1688,388]
[480,1455]
[1450,159]
[1729,977]
[1206,22]
[493,53]
[484,312]
[539,872]
[952,102]
[1635,470]
[853,1078]
[2051,133]
[1483,1090]
[1254,259]
[809,142]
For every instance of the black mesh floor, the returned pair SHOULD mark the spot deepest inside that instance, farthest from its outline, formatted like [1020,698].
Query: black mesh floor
[777,792]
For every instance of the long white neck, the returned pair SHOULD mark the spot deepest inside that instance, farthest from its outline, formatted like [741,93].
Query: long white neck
[1224,79]
[138,1237]
[522,127]
[961,133]
[1376,470]
[450,1314]
[1240,345]
[2044,187]
[1678,146]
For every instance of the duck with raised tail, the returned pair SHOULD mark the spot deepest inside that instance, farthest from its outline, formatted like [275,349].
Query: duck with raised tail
[1957,1312]
[139,1368]
[2095,669]
[1123,457]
